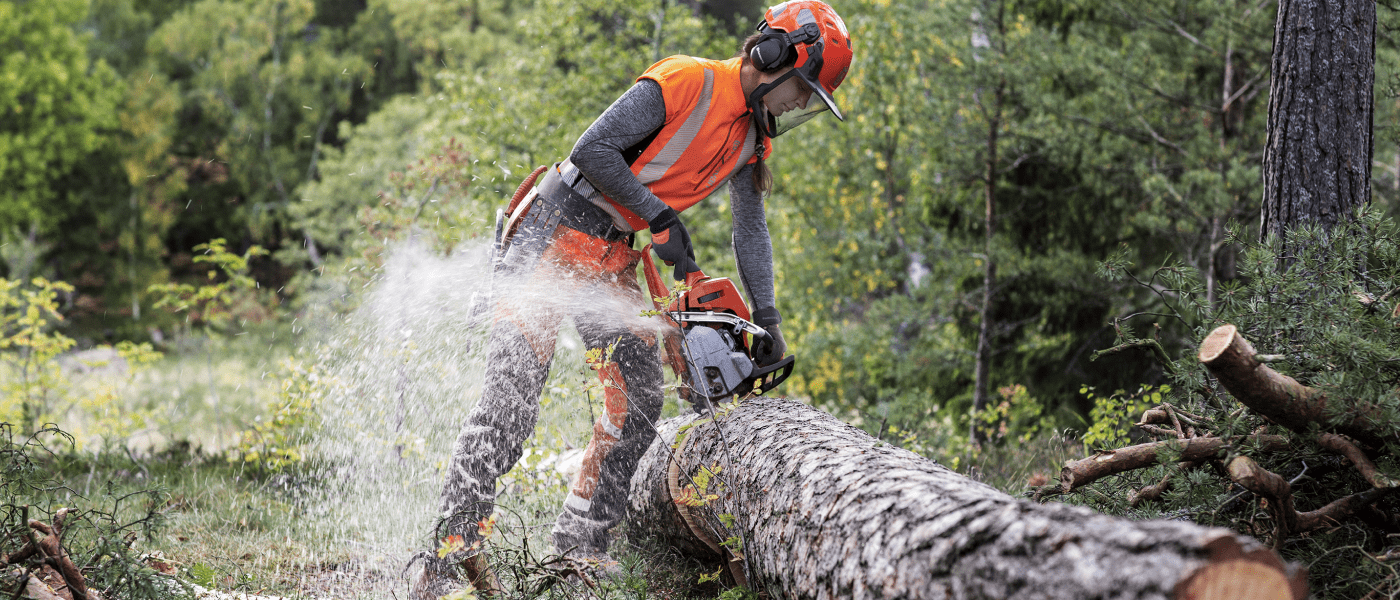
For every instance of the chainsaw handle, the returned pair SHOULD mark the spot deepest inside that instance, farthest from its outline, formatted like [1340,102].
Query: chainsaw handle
[656,286]
[694,277]
[784,366]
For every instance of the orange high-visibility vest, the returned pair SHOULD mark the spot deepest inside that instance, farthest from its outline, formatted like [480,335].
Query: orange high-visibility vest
[707,137]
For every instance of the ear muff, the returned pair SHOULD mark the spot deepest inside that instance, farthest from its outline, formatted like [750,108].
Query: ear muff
[777,48]
[771,51]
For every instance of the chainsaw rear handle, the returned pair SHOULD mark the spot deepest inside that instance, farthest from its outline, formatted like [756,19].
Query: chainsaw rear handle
[657,286]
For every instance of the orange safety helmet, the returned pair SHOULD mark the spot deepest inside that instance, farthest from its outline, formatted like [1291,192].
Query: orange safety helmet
[812,38]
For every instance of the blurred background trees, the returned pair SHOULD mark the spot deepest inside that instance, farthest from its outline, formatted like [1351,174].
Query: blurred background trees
[938,252]
[1019,185]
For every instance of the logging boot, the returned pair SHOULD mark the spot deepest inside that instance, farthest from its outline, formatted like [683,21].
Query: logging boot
[441,578]
[438,578]
[593,562]
[482,576]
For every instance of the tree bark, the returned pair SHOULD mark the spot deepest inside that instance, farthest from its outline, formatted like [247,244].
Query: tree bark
[983,364]
[827,511]
[1317,159]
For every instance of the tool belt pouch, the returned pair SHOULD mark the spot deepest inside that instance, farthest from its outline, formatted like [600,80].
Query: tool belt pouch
[578,212]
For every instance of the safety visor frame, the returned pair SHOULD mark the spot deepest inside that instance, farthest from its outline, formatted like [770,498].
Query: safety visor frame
[777,125]
[811,71]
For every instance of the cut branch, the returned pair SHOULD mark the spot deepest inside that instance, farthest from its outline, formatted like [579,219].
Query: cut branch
[1280,398]
[1339,509]
[1363,464]
[1082,472]
[1153,345]
[1278,492]
[51,545]
[1273,488]
[1151,493]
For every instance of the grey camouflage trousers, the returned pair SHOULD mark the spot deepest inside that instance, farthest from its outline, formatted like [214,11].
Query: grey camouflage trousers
[577,269]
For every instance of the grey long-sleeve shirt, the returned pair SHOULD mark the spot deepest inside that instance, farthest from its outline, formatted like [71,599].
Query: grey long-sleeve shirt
[602,154]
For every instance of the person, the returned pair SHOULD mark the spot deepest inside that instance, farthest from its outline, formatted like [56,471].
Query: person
[687,126]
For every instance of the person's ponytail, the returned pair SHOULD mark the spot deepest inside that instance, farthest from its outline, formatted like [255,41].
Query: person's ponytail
[762,176]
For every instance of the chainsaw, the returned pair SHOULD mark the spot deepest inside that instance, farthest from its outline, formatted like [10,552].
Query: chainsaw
[711,348]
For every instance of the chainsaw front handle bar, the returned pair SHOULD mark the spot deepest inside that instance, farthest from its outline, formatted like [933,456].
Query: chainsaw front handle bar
[735,323]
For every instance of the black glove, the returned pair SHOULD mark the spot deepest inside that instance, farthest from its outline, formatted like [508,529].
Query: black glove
[771,349]
[671,242]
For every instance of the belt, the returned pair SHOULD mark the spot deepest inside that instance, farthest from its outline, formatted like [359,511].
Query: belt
[577,212]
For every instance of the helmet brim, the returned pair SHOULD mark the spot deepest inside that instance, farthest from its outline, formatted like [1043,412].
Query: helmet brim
[820,92]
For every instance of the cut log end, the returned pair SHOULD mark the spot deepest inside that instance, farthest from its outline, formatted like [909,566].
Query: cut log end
[1216,343]
[1238,579]
[1236,572]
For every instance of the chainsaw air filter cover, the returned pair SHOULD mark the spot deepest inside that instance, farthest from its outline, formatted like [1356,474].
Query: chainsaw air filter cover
[717,368]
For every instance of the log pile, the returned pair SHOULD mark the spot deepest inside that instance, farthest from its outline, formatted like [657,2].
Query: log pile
[803,506]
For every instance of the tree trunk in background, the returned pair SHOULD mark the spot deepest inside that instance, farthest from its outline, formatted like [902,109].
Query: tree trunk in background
[1317,160]
[827,511]
[983,364]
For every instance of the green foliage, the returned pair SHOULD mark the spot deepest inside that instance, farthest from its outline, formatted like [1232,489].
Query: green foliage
[277,443]
[34,385]
[37,391]
[1015,416]
[228,285]
[260,89]
[109,417]
[1113,415]
[1328,311]
[58,110]
[879,222]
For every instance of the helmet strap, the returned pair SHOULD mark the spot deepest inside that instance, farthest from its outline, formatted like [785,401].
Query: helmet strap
[765,121]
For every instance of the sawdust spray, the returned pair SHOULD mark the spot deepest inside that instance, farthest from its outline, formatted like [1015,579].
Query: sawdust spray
[399,374]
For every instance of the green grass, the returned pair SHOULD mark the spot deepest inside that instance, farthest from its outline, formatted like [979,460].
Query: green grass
[344,523]
[202,392]
[227,529]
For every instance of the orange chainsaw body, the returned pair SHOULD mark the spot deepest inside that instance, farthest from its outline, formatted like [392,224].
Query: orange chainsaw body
[696,307]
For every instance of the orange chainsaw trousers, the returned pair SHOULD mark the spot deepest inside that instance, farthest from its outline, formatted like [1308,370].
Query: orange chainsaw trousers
[550,272]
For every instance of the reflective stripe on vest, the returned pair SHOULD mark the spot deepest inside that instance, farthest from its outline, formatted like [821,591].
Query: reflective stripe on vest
[671,152]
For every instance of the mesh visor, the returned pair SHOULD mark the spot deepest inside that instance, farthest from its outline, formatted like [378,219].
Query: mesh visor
[791,119]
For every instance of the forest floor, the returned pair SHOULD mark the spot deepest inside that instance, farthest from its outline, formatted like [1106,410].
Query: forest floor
[313,529]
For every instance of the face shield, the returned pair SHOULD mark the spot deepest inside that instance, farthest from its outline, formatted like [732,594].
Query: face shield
[818,102]
[790,120]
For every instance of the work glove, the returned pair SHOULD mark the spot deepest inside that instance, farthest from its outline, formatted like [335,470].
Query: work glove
[671,242]
[771,349]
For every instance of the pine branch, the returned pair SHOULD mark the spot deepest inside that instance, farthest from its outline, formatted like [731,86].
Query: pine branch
[1082,472]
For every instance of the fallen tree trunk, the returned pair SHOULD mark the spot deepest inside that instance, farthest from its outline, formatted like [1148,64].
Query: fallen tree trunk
[804,506]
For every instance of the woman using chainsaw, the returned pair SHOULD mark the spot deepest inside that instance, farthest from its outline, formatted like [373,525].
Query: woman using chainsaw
[687,126]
